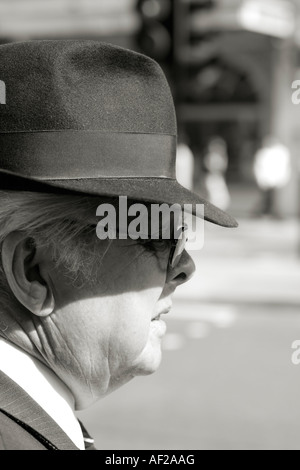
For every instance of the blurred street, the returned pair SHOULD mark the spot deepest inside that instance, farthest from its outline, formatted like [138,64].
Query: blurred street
[257,263]
[227,380]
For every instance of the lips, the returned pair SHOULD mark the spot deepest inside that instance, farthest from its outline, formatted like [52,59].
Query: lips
[163,312]
[156,318]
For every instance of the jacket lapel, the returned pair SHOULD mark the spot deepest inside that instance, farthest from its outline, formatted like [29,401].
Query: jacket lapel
[15,401]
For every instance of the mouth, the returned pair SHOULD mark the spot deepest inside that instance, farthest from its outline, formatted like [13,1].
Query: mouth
[163,312]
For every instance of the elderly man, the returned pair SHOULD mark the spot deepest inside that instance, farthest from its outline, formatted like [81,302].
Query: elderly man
[84,123]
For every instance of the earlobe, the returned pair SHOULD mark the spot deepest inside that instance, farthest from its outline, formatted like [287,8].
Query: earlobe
[22,274]
[41,301]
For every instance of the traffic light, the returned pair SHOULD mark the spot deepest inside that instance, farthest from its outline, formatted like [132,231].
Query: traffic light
[156,36]
[191,44]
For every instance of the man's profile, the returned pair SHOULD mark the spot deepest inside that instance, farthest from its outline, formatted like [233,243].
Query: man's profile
[79,316]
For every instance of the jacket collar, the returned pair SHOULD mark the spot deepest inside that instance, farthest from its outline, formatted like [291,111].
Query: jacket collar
[15,401]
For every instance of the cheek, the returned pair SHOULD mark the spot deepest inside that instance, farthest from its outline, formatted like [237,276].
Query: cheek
[84,329]
[132,324]
[134,308]
[110,322]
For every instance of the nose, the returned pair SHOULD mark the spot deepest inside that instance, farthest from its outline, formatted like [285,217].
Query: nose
[182,273]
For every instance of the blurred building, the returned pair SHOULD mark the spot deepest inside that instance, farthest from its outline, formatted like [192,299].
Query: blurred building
[230,63]
[113,20]
[236,60]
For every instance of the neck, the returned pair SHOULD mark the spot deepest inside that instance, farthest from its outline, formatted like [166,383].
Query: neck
[18,329]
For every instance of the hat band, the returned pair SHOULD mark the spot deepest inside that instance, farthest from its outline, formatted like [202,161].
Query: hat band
[87,154]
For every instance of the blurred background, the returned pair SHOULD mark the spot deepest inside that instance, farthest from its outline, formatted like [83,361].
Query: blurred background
[227,380]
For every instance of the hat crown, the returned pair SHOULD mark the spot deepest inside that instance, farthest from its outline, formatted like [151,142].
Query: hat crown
[83,85]
[91,118]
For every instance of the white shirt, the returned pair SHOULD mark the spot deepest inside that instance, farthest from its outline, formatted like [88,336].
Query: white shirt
[44,387]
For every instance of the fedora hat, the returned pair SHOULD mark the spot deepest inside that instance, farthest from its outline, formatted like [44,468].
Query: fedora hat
[90,118]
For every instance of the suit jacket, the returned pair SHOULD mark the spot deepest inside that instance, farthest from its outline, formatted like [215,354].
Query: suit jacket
[24,425]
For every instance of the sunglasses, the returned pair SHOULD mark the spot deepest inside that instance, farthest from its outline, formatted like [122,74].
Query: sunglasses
[178,245]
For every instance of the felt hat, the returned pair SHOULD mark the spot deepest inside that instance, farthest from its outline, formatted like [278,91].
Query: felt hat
[88,117]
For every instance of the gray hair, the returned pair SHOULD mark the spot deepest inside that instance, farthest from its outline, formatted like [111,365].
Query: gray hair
[66,223]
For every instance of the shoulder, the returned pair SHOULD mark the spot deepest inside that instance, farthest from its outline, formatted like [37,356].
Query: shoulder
[14,437]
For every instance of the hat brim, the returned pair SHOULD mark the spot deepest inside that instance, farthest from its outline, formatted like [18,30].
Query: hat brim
[157,190]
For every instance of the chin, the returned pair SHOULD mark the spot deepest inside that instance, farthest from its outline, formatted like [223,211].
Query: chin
[149,362]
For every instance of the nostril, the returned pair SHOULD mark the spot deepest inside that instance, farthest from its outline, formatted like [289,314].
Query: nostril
[182,277]
[183,271]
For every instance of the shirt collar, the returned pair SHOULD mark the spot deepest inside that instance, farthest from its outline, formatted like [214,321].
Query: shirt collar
[43,386]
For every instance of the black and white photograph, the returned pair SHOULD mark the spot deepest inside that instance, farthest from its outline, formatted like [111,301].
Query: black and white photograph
[149,227]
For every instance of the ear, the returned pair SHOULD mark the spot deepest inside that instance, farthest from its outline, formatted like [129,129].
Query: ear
[21,264]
